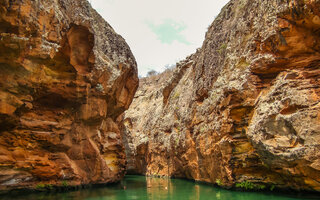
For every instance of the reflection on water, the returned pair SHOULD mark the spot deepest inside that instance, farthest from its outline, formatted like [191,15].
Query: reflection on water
[140,187]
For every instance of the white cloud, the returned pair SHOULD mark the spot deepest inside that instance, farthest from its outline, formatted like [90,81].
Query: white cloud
[129,17]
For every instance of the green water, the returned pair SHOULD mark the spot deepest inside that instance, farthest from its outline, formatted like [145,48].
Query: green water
[140,187]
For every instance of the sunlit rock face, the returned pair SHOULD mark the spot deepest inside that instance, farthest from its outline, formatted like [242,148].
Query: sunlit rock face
[245,107]
[65,77]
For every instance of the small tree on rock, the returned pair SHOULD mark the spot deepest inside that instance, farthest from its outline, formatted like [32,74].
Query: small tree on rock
[152,73]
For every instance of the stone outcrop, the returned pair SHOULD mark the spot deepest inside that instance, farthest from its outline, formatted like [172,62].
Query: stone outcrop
[244,110]
[65,78]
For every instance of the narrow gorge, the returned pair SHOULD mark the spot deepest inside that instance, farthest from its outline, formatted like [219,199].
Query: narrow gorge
[242,112]
[243,109]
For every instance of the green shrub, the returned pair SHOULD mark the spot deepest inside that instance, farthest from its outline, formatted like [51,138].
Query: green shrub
[44,186]
[218,182]
[250,186]
[222,48]
[272,187]
[245,185]
[64,183]
[40,186]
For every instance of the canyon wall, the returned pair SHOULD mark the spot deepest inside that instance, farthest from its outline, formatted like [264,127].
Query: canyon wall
[244,110]
[65,78]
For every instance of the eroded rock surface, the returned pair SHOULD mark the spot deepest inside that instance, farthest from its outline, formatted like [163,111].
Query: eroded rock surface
[65,77]
[244,108]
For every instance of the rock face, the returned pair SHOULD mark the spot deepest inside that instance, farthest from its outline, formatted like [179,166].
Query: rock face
[66,77]
[244,109]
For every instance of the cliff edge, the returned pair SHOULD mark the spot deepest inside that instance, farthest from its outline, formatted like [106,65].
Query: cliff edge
[65,77]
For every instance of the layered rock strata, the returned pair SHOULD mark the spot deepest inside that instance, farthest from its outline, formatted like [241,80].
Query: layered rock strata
[65,77]
[244,110]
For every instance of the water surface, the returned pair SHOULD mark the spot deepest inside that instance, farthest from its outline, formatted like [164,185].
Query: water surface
[140,187]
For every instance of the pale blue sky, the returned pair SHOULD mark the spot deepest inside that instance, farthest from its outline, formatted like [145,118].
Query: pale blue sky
[160,32]
[169,31]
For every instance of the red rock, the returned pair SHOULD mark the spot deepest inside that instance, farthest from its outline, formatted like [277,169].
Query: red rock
[61,91]
[245,109]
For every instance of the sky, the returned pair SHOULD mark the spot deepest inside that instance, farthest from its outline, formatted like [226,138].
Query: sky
[160,32]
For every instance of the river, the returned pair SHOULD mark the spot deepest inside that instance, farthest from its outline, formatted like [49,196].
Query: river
[140,187]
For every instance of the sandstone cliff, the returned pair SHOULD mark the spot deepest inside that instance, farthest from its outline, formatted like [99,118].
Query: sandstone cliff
[244,110]
[66,76]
